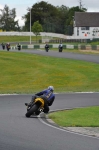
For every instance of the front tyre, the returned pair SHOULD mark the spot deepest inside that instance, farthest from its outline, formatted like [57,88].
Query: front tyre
[31,111]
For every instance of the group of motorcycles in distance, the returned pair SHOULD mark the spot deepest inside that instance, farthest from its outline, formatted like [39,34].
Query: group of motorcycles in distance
[60,47]
[8,47]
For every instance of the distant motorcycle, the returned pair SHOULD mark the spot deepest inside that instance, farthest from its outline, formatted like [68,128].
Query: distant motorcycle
[8,47]
[19,47]
[35,108]
[46,47]
[60,49]
[3,46]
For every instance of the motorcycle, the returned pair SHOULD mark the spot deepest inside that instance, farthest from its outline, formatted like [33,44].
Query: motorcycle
[3,46]
[8,47]
[35,108]
[46,48]
[60,49]
[19,47]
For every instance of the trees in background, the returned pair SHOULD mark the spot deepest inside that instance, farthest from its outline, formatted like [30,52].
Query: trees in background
[53,19]
[7,19]
[37,28]
[46,14]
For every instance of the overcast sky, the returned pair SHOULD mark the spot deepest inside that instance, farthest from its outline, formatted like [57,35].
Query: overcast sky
[22,5]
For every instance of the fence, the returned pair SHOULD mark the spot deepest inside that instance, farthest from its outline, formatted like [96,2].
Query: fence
[65,46]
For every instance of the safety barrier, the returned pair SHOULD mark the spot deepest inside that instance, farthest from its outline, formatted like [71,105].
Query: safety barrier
[41,46]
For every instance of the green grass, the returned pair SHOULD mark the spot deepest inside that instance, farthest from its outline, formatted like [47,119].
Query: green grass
[80,117]
[18,38]
[26,73]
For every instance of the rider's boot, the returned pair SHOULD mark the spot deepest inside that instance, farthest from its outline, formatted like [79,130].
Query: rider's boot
[28,104]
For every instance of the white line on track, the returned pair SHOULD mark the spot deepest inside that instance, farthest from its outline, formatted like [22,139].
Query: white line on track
[64,130]
[7,94]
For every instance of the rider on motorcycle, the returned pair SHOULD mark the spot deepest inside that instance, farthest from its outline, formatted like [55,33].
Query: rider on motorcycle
[8,46]
[19,46]
[46,47]
[47,95]
[60,47]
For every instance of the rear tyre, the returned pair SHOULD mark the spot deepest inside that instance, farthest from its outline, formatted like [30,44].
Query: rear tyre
[31,111]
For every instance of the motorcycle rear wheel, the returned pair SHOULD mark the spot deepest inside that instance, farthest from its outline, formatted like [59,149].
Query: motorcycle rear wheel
[31,111]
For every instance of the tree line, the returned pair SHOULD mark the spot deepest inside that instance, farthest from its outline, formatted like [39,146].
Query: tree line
[52,18]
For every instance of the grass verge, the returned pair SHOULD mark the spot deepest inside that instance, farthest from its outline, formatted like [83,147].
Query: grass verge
[5,39]
[79,117]
[26,73]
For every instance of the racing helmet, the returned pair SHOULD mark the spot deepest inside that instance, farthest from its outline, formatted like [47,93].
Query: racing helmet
[51,88]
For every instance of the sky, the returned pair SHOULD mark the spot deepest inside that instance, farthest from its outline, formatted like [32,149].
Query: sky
[22,5]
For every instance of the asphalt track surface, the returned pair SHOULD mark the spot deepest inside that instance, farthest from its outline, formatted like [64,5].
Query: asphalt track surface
[20,133]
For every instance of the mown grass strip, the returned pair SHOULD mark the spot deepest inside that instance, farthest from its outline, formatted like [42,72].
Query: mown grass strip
[26,73]
[79,117]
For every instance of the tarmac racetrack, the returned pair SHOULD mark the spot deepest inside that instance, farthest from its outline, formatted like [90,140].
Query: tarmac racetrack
[20,133]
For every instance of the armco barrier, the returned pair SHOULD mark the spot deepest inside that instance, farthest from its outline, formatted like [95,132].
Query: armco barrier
[69,46]
[36,46]
[24,46]
[55,45]
[94,47]
[30,46]
[42,46]
[13,47]
[82,47]
[50,46]
[77,47]
[88,47]
[97,47]
[64,46]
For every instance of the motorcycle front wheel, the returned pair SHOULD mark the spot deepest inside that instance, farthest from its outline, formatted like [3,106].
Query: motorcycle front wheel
[32,110]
